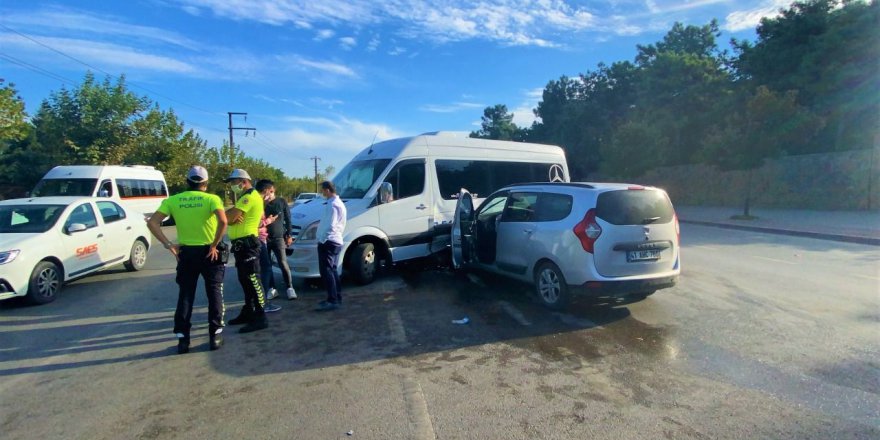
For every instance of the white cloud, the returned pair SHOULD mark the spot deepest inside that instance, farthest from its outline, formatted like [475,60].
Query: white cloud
[329,103]
[396,51]
[450,108]
[63,22]
[301,63]
[523,114]
[347,43]
[509,22]
[101,55]
[373,44]
[331,134]
[324,34]
[750,18]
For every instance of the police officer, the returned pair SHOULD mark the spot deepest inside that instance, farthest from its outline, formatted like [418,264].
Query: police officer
[244,224]
[201,223]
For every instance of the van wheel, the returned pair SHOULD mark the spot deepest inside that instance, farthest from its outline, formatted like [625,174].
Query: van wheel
[45,283]
[137,257]
[362,263]
[550,286]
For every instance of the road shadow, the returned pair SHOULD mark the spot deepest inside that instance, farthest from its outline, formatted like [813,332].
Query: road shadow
[401,316]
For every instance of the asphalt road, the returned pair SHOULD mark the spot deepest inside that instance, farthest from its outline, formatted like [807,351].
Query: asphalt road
[766,336]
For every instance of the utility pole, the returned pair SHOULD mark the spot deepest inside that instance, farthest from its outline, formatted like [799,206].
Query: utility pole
[231,128]
[316,159]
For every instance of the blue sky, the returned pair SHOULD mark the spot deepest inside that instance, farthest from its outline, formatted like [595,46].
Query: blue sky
[323,78]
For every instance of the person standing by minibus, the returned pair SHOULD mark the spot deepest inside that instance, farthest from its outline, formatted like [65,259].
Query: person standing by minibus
[244,224]
[200,222]
[329,234]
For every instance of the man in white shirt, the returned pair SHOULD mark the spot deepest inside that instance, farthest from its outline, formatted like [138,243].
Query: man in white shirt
[330,244]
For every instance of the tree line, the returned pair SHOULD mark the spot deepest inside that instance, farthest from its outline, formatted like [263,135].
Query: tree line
[810,83]
[103,123]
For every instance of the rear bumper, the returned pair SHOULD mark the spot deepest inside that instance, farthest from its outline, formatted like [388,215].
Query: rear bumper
[598,288]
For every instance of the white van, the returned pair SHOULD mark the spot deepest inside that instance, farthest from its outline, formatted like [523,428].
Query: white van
[401,194]
[139,188]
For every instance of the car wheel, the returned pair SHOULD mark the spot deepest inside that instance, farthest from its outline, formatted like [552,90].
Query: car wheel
[45,283]
[137,257]
[362,263]
[550,286]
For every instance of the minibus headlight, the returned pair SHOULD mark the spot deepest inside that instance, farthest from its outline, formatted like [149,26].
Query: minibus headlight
[310,233]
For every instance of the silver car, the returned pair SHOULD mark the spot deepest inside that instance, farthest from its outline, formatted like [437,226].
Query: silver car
[567,238]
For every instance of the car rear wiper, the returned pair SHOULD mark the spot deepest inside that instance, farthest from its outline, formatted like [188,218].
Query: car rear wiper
[649,220]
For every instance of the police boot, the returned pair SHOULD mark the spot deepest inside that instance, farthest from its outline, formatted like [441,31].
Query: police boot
[183,345]
[258,322]
[244,317]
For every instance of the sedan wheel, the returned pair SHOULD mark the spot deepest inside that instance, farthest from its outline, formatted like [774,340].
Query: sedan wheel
[137,257]
[45,283]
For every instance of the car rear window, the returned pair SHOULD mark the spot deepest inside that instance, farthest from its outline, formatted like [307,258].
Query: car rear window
[634,207]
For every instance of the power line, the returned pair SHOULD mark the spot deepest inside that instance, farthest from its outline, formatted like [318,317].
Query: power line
[106,72]
[36,69]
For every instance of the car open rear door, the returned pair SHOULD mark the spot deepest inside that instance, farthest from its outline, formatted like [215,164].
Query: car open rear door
[462,230]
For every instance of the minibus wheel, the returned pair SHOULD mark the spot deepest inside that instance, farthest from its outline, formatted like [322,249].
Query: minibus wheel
[362,263]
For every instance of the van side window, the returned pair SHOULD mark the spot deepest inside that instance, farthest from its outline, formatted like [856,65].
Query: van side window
[481,177]
[110,212]
[82,214]
[553,207]
[140,188]
[407,178]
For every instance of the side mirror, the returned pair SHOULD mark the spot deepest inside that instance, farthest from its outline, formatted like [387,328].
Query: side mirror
[386,193]
[76,227]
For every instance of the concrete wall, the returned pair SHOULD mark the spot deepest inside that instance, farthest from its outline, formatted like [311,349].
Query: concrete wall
[828,181]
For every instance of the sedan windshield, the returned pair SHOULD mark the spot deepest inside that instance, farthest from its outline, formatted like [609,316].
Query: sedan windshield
[357,177]
[28,219]
[65,187]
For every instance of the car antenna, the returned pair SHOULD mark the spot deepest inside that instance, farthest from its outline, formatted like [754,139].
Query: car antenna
[373,142]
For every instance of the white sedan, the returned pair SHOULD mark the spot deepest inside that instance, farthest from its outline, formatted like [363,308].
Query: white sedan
[47,241]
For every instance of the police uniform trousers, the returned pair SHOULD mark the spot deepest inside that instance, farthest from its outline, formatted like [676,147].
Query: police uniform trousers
[193,262]
[247,264]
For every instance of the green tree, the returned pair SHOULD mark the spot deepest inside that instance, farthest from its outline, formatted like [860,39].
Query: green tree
[761,126]
[826,50]
[498,124]
[13,118]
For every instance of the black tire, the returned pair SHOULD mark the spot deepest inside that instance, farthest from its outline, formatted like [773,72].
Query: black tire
[137,257]
[45,283]
[550,286]
[362,263]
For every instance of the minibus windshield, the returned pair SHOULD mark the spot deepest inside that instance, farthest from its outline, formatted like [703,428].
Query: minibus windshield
[358,176]
[65,187]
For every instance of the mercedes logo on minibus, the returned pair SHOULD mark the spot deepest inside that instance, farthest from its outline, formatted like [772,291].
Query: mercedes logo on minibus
[557,174]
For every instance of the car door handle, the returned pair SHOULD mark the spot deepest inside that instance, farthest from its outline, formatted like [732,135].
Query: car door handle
[128,228]
[420,207]
[528,230]
[100,235]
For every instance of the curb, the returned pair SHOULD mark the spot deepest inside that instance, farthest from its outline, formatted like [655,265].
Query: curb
[819,235]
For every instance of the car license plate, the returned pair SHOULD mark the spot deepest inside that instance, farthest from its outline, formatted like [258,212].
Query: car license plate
[646,255]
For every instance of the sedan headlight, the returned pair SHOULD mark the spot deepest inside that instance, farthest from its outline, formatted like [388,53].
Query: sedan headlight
[310,233]
[7,256]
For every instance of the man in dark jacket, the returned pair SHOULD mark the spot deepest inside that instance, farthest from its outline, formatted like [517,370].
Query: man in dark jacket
[279,236]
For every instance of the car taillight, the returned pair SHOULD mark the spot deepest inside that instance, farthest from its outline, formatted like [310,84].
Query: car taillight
[588,230]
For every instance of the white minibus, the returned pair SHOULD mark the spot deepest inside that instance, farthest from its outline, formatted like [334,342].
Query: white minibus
[400,196]
[139,188]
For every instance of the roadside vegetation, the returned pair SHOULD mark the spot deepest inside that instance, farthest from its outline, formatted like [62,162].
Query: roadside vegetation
[103,122]
[809,84]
